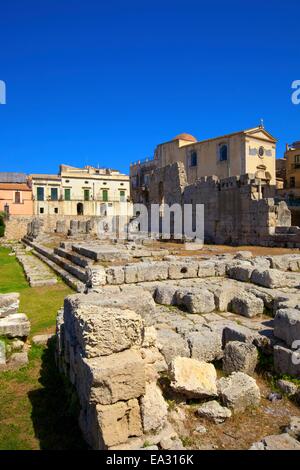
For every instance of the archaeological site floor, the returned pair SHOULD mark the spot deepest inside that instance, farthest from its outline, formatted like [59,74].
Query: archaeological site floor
[165,348]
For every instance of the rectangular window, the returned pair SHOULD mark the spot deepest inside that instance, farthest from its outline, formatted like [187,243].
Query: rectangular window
[292,182]
[122,196]
[193,161]
[17,197]
[54,194]
[104,195]
[55,210]
[86,194]
[297,158]
[67,194]
[41,210]
[40,193]
[297,162]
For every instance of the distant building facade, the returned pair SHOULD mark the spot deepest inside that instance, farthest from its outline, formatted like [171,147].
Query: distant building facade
[15,194]
[75,191]
[292,169]
[250,151]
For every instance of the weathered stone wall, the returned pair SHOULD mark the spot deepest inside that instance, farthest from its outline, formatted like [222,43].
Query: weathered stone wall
[112,374]
[237,210]
[16,226]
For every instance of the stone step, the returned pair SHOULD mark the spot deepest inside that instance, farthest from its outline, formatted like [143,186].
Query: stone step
[67,265]
[73,276]
[75,258]
[68,278]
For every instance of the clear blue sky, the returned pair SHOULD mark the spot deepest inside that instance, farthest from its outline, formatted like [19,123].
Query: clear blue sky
[93,82]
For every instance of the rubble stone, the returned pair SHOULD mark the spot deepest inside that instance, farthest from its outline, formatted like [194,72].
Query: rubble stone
[239,357]
[192,378]
[213,411]
[239,391]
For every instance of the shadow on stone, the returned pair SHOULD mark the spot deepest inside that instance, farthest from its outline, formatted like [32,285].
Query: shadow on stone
[55,408]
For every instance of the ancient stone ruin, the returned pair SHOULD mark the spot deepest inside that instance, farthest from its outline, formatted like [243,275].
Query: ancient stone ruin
[14,328]
[150,329]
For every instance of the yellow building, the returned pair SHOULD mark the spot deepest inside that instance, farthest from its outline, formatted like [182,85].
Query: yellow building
[85,191]
[248,151]
[292,168]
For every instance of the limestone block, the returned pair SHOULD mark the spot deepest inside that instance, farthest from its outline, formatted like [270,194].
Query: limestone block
[165,295]
[102,331]
[239,357]
[213,411]
[247,304]
[196,300]
[115,275]
[183,269]
[154,409]
[237,332]
[239,391]
[142,272]
[206,269]
[15,325]
[96,276]
[270,278]
[152,356]
[9,303]
[171,344]
[119,421]
[205,345]
[192,378]
[287,325]
[113,378]
[241,272]
[277,442]
[223,297]
[287,361]
[219,268]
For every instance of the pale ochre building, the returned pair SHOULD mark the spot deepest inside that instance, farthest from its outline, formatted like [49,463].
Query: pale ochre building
[75,191]
[292,169]
[248,151]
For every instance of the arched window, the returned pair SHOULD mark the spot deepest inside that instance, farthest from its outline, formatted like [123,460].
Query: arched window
[223,152]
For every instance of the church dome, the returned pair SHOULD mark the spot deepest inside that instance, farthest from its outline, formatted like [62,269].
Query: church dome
[185,136]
